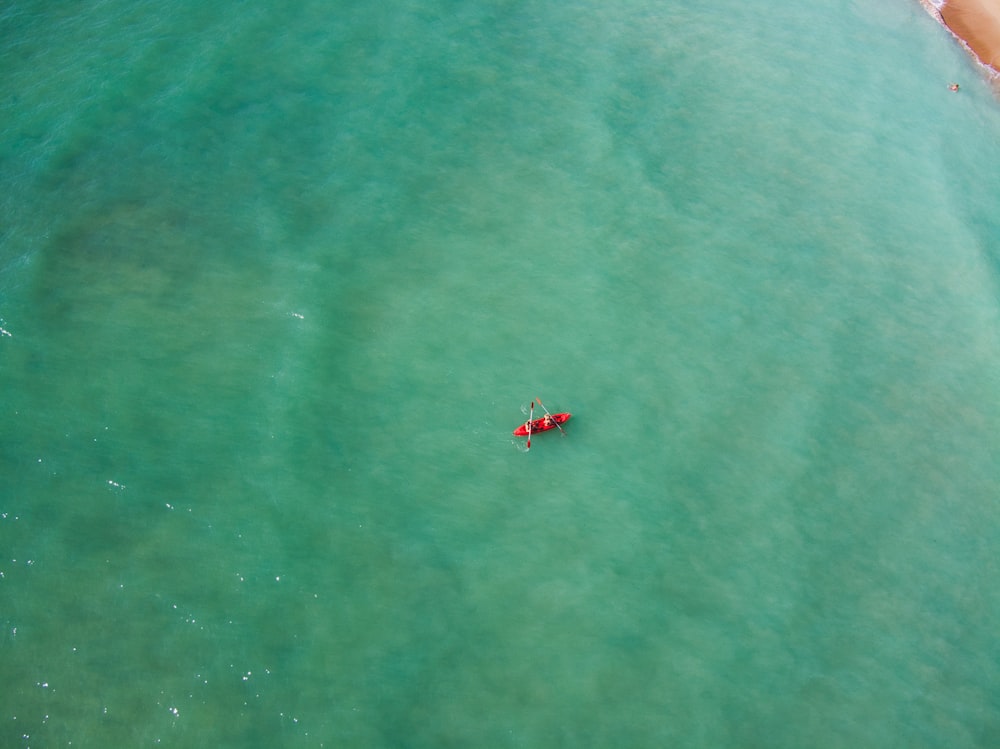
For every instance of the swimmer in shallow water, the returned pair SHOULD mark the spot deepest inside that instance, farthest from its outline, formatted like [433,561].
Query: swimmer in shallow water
[953,87]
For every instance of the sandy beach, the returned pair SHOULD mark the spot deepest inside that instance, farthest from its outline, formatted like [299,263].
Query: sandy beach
[977,23]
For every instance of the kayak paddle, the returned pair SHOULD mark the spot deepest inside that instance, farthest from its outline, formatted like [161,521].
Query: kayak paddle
[551,416]
[531,415]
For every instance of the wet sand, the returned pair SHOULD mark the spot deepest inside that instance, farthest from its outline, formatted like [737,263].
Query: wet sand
[977,23]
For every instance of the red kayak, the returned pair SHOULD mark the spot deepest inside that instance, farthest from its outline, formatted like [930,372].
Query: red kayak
[543,424]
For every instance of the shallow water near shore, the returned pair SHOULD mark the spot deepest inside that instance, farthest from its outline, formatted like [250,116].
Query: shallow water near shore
[276,285]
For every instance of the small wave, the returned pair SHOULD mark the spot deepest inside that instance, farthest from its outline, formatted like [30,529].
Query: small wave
[934,8]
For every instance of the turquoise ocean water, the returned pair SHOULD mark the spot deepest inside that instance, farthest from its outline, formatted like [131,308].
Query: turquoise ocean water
[278,280]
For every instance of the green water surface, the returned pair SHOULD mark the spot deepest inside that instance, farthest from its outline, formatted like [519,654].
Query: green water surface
[277,282]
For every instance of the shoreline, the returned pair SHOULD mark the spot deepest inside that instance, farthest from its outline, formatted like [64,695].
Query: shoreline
[976,24]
